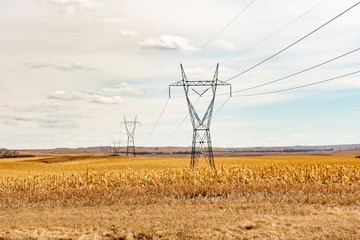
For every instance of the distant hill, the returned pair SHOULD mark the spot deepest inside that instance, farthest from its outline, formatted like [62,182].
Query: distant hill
[353,149]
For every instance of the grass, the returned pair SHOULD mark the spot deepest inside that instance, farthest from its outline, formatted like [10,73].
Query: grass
[272,196]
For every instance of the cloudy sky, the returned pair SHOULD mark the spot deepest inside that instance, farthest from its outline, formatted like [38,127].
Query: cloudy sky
[71,69]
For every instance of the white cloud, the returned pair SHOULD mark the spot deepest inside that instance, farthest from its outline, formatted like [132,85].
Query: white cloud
[56,121]
[122,88]
[67,67]
[226,44]
[169,42]
[38,108]
[129,33]
[70,96]
[107,100]
[61,95]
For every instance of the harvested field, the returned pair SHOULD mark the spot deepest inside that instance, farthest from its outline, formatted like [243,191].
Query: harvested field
[275,196]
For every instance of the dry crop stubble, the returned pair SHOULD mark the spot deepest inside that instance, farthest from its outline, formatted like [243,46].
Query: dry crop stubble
[254,192]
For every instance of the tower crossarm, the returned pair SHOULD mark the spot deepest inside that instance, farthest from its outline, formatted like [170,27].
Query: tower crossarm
[202,83]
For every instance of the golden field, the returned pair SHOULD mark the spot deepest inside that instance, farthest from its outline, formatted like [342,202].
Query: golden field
[289,196]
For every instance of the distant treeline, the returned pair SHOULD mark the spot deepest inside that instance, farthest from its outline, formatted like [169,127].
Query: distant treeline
[146,153]
[290,150]
[6,153]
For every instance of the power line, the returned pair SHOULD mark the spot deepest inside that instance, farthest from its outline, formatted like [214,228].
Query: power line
[222,30]
[177,128]
[213,116]
[283,78]
[157,122]
[222,106]
[277,91]
[284,49]
[294,74]
[266,60]
[301,86]
[272,34]
[205,45]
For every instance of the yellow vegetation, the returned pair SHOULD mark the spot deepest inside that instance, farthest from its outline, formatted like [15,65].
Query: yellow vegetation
[98,197]
[104,180]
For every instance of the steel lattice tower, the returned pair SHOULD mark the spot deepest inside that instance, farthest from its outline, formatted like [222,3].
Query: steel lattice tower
[201,142]
[130,130]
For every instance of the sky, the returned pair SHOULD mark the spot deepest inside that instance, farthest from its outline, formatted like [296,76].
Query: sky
[70,70]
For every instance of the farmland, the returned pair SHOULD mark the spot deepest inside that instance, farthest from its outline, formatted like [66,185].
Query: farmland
[287,196]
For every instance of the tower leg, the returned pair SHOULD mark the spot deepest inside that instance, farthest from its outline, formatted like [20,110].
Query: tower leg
[210,154]
[201,144]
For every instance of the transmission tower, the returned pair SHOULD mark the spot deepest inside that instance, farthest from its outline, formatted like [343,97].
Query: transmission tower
[201,141]
[130,130]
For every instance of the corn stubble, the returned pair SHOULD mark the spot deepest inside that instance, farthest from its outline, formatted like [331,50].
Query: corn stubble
[292,183]
[264,197]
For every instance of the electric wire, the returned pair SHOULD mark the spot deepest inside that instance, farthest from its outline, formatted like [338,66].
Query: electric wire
[277,91]
[222,106]
[272,34]
[157,122]
[283,78]
[301,86]
[217,111]
[177,128]
[260,62]
[297,73]
[205,45]
[299,40]
[218,33]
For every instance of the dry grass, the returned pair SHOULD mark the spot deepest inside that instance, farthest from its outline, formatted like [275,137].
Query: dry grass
[279,196]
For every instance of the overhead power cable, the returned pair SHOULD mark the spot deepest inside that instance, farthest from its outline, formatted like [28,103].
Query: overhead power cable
[299,40]
[297,73]
[177,128]
[277,91]
[157,122]
[205,45]
[222,106]
[301,86]
[291,75]
[222,30]
[217,111]
[272,34]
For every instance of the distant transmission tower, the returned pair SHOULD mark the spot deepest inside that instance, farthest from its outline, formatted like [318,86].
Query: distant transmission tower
[130,129]
[201,142]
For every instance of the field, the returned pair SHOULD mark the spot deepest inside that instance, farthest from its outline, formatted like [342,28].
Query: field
[288,196]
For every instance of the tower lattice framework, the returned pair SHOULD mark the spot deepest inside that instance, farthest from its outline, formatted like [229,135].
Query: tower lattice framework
[201,141]
[130,127]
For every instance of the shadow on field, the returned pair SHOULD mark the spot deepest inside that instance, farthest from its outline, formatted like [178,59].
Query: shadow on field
[60,159]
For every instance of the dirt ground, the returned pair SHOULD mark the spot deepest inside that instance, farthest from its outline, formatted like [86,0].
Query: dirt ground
[190,219]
